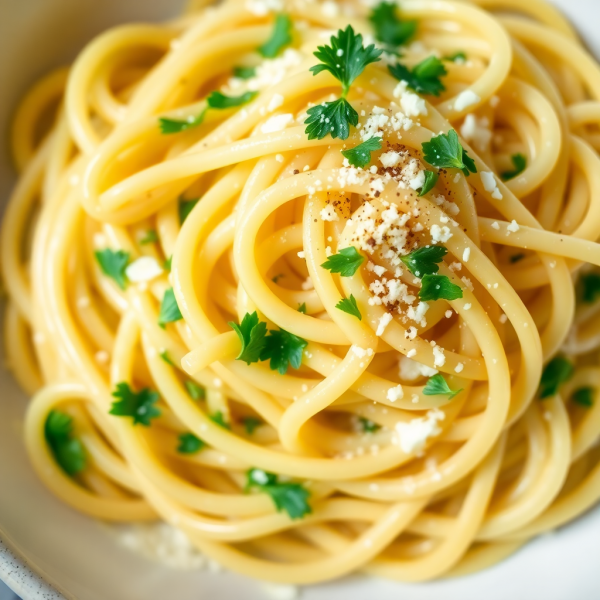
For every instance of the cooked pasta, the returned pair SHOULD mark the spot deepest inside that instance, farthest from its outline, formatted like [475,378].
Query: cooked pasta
[298,302]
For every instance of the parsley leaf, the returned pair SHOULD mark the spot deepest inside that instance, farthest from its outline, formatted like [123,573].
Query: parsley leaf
[346,58]
[331,117]
[590,283]
[67,450]
[519,162]
[151,237]
[346,262]
[185,208]
[439,287]
[584,396]
[219,419]
[302,308]
[281,37]
[360,156]
[368,426]
[169,126]
[139,405]
[431,179]
[444,151]
[244,72]
[113,265]
[165,356]
[389,29]
[250,424]
[438,386]
[252,334]
[558,371]
[221,101]
[169,311]
[289,497]
[424,78]
[348,305]
[283,348]
[167,263]
[194,390]
[457,57]
[189,443]
[424,261]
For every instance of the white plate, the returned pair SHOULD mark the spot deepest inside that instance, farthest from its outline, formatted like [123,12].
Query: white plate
[74,553]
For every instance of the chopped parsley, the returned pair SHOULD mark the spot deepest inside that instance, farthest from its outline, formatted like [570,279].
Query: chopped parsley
[431,179]
[67,450]
[439,287]
[170,126]
[252,334]
[519,162]
[194,390]
[287,496]
[590,284]
[250,424]
[244,72]
[280,37]
[167,263]
[558,371]
[185,208]
[389,29]
[424,261]
[368,426]
[457,57]
[221,101]
[345,59]
[169,310]
[346,262]
[113,264]
[138,405]
[348,305]
[584,396]
[302,308]
[151,237]
[189,443]
[438,386]
[165,356]
[445,152]
[360,156]
[219,419]
[424,78]
[283,349]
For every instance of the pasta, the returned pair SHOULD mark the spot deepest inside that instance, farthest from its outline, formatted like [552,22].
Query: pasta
[316,363]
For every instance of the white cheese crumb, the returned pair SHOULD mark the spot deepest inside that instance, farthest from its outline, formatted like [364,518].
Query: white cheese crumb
[328,214]
[390,159]
[301,254]
[476,131]
[275,102]
[361,352]
[495,225]
[411,369]
[277,123]
[513,227]
[411,353]
[466,99]
[439,360]
[440,234]
[384,321]
[503,319]
[467,306]
[448,314]
[279,158]
[412,436]
[490,184]
[307,284]
[459,367]
[145,268]
[466,254]
[412,105]
[395,393]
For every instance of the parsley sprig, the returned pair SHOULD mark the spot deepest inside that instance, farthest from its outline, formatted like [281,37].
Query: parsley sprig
[439,287]
[346,262]
[138,405]
[185,208]
[558,371]
[389,28]
[280,37]
[590,287]
[252,334]
[169,309]
[584,396]
[445,152]
[189,443]
[424,261]
[360,156]
[346,58]
[431,179]
[438,386]
[424,78]
[368,426]
[349,305]
[113,264]
[67,450]
[244,72]
[194,390]
[251,423]
[287,496]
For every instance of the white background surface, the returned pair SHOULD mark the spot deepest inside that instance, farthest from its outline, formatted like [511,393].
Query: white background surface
[74,552]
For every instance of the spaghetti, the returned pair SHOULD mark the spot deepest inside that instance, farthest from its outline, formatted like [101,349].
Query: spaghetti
[234,328]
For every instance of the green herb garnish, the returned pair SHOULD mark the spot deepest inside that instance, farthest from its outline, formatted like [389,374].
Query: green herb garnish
[431,179]
[280,37]
[519,162]
[189,443]
[283,349]
[185,208]
[221,101]
[348,305]
[219,419]
[138,405]
[194,390]
[438,386]
[424,78]
[151,237]
[360,156]
[169,310]
[302,308]
[424,261]
[389,29]
[113,264]
[457,57]
[250,424]
[584,396]
[165,356]
[438,287]
[252,334]
[590,283]
[558,371]
[368,426]
[287,496]
[244,72]
[445,152]
[346,262]
[67,450]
